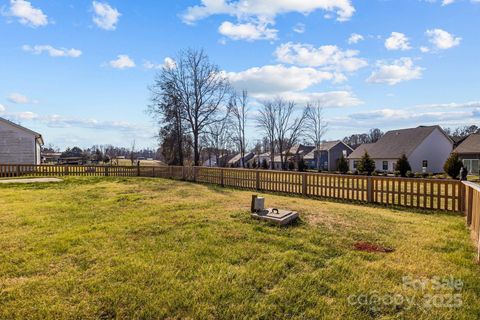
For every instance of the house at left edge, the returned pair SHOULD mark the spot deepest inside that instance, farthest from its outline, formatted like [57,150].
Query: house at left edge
[19,145]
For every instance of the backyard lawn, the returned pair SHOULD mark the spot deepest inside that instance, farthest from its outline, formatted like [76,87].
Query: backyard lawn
[141,248]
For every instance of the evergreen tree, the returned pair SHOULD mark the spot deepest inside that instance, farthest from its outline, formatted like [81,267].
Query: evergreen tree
[301,165]
[403,166]
[453,165]
[366,164]
[342,165]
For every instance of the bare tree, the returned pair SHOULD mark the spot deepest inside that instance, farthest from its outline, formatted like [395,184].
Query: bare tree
[239,110]
[132,153]
[281,127]
[287,127]
[200,90]
[266,122]
[316,127]
[218,139]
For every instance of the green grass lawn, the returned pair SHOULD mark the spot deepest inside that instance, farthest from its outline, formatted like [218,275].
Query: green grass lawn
[140,248]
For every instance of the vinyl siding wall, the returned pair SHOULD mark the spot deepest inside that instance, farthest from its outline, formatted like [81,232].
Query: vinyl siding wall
[436,149]
[17,146]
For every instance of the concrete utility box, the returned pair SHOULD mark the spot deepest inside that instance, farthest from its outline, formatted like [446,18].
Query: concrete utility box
[280,217]
[259,204]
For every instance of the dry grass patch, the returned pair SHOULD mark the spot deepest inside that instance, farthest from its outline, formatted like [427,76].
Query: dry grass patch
[141,248]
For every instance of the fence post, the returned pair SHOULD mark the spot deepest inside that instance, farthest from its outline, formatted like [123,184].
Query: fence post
[18,170]
[183,172]
[469,205]
[66,170]
[304,184]
[153,171]
[106,171]
[170,172]
[138,171]
[257,179]
[369,189]
[194,174]
[222,182]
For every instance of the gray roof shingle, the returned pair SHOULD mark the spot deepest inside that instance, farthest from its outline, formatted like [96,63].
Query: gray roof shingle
[470,145]
[395,143]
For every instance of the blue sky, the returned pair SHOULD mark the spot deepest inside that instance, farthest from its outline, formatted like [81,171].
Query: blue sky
[78,71]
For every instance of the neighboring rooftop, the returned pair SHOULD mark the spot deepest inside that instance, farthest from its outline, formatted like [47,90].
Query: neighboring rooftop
[395,143]
[325,146]
[36,134]
[470,145]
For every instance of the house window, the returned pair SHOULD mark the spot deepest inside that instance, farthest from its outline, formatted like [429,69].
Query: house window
[424,164]
[472,165]
[385,165]
[355,164]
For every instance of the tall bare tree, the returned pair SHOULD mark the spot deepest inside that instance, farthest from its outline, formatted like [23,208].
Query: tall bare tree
[281,126]
[316,127]
[266,122]
[239,110]
[200,90]
[288,127]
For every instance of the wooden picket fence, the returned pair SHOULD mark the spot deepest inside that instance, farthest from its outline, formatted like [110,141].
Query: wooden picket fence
[429,194]
[445,195]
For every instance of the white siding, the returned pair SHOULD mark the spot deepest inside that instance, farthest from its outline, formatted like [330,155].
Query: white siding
[436,149]
[17,146]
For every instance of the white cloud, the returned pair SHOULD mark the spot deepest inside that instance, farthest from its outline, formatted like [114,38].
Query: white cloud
[2,109]
[442,40]
[328,57]
[247,31]
[266,8]
[299,28]
[255,18]
[53,52]
[355,38]
[397,41]
[168,63]
[332,99]
[20,99]
[443,114]
[447,2]
[123,61]
[27,14]
[271,81]
[274,79]
[424,49]
[399,71]
[105,17]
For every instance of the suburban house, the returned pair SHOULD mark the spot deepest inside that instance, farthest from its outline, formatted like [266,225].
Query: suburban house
[327,156]
[469,152]
[19,145]
[51,157]
[426,147]
[295,153]
[237,161]
[258,159]
[212,161]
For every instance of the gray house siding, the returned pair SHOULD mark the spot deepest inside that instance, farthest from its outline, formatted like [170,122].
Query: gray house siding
[335,154]
[18,146]
[435,149]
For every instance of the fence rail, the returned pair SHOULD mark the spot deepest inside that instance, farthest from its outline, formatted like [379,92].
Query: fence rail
[447,195]
[472,211]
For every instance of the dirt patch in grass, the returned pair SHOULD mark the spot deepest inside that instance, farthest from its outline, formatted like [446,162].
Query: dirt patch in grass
[372,247]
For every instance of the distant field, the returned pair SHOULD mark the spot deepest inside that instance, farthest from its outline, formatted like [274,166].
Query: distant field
[127,162]
[140,248]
